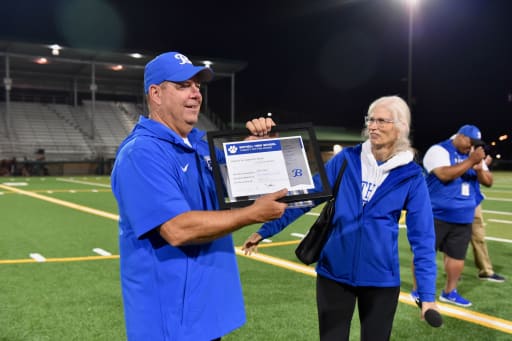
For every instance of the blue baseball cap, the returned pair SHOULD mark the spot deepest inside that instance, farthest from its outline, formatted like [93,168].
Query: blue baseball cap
[473,133]
[173,67]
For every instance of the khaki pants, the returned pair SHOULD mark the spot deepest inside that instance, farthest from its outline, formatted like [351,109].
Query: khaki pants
[480,253]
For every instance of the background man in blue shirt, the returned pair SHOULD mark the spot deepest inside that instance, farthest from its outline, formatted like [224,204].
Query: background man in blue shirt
[452,179]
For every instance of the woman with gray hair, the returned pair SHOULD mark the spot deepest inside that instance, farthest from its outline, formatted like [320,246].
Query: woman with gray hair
[360,261]
[400,114]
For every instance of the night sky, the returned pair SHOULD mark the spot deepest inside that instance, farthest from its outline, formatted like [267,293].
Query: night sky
[321,61]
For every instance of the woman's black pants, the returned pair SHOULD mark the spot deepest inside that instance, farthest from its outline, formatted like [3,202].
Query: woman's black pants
[336,305]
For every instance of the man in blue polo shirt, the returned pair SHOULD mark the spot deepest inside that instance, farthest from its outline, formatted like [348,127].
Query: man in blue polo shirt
[453,174]
[179,275]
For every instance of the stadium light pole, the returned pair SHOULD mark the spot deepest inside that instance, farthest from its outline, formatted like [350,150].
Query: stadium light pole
[411,6]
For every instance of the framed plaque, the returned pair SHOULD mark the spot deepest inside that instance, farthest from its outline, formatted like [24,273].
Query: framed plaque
[246,167]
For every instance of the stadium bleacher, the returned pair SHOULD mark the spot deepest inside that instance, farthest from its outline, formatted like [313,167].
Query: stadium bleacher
[64,131]
[78,105]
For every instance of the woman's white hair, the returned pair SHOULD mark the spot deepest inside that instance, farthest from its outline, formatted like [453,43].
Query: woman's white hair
[401,117]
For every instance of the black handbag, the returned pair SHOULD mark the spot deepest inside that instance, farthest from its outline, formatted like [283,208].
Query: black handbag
[311,245]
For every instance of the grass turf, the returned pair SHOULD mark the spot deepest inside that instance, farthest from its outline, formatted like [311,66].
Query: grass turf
[75,295]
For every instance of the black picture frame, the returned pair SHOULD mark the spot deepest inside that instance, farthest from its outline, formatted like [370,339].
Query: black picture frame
[305,130]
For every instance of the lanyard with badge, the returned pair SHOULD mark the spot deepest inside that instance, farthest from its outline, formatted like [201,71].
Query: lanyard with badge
[464,190]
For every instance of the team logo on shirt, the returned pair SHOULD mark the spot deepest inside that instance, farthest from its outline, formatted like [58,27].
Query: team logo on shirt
[367,191]
[208,161]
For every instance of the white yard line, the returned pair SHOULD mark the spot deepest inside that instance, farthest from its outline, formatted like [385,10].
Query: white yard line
[501,240]
[497,212]
[498,199]
[501,221]
[37,257]
[83,182]
[101,252]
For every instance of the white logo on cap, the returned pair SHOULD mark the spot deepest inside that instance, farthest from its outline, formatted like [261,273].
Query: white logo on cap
[183,59]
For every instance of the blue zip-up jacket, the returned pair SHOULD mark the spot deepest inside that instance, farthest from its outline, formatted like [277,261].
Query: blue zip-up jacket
[362,249]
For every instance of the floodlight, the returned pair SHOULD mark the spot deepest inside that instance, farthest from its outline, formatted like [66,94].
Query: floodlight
[117,67]
[55,49]
[41,60]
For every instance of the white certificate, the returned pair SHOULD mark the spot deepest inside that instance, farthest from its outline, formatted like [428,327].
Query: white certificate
[263,166]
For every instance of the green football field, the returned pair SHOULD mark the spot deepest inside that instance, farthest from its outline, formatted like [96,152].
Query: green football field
[59,271]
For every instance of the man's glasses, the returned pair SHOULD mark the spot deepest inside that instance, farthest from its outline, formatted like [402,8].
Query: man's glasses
[379,121]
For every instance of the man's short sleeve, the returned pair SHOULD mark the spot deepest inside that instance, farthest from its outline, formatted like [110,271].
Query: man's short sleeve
[148,191]
[435,157]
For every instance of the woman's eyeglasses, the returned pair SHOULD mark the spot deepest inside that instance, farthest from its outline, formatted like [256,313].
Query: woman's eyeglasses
[379,121]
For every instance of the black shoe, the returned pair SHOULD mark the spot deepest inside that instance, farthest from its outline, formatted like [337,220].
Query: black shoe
[493,278]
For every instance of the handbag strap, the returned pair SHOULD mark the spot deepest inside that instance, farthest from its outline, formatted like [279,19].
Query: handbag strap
[338,179]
